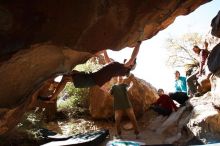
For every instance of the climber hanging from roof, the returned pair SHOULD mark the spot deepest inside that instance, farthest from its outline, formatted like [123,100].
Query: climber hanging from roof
[121,103]
[100,77]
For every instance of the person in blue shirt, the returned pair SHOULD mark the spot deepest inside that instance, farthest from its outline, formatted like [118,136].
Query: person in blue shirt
[180,83]
[180,94]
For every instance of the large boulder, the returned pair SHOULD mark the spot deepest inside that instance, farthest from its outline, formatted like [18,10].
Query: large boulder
[216,25]
[40,39]
[141,95]
[23,75]
[204,119]
[214,60]
[197,121]
[85,25]
[215,85]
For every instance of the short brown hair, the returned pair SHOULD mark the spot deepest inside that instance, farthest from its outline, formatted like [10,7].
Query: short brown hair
[195,46]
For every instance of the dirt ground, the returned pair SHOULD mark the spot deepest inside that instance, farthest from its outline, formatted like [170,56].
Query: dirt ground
[146,135]
[84,124]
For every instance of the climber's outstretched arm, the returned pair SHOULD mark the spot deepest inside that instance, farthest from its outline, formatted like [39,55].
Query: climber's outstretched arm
[134,54]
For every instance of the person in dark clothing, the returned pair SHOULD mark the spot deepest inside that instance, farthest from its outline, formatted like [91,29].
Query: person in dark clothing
[164,104]
[180,97]
[119,92]
[122,104]
[100,77]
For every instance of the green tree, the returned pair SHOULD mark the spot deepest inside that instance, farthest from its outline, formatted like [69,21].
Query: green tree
[91,65]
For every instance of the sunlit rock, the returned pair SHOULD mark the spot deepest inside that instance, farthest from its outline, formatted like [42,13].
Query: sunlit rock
[214,60]
[216,25]
[141,95]
[204,120]
[38,38]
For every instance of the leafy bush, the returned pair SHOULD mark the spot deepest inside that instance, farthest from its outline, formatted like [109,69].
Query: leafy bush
[30,124]
[77,97]
[91,65]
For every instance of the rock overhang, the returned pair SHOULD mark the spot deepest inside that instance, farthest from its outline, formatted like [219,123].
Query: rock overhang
[39,39]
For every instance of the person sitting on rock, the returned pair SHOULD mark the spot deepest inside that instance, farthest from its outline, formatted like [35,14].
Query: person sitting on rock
[180,94]
[100,77]
[192,80]
[123,105]
[164,105]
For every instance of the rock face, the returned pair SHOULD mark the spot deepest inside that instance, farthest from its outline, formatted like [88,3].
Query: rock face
[171,129]
[198,120]
[39,39]
[203,115]
[23,74]
[141,95]
[214,60]
[85,25]
[216,25]
[204,119]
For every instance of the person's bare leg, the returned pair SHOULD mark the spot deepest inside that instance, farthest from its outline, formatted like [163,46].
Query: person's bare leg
[131,115]
[118,115]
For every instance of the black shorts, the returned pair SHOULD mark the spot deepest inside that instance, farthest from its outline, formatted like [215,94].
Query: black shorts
[83,80]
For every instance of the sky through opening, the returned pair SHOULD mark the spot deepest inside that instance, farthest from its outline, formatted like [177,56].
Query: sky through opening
[151,60]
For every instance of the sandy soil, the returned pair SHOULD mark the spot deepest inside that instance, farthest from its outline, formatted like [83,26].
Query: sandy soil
[73,126]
